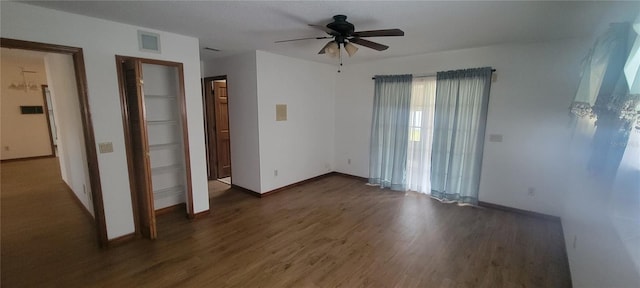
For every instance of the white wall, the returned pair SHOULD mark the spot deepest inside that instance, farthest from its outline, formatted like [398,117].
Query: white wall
[101,40]
[299,148]
[302,146]
[243,115]
[528,106]
[23,135]
[66,107]
[601,222]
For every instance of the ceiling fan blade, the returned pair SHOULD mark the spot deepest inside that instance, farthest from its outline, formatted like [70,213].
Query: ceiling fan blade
[379,33]
[367,43]
[324,28]
[308,38]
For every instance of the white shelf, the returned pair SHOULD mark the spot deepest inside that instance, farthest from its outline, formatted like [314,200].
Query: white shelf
[164,146]
[165,169]
[167,97]
[161,193]
[162,122]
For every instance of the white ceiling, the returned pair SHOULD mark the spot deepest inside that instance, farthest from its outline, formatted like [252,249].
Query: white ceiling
[238,26]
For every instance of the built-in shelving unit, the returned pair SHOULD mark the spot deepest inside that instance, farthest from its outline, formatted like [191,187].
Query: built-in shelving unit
[168,173]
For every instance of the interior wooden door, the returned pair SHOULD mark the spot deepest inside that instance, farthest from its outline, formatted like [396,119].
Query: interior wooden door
[223,143]
[139,156]
[210,129]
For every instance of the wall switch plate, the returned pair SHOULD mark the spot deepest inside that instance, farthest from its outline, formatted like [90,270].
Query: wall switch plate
[106,147]
[281,112]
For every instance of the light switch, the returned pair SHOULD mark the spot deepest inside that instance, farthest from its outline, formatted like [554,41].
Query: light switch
[106,147]
[281,112]
[495,137]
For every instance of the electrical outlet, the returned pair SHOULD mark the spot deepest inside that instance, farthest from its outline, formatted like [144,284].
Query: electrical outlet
[349,161]
[275,172]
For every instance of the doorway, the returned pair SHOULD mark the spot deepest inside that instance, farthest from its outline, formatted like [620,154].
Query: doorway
[82,134]
[155,125]
[51,120]
[217,130]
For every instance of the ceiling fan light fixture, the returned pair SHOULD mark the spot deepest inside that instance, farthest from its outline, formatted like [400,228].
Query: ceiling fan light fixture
[332,49]
[351,49]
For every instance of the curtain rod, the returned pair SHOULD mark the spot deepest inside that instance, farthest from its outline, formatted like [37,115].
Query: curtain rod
[427,75]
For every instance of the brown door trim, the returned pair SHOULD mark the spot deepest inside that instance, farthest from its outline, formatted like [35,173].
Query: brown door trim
[185,132]
[210,131]
[209,125]
[87,126]
[126,124]
[46,114]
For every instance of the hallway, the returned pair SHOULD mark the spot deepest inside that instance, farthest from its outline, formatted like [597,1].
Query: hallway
[40,218]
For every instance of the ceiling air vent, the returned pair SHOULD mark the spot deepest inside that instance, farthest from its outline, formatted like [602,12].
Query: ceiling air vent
[148,41]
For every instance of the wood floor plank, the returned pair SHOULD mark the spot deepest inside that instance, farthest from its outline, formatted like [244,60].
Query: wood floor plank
[333,232]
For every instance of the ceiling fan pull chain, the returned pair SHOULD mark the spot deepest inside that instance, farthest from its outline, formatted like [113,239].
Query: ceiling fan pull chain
[339,57]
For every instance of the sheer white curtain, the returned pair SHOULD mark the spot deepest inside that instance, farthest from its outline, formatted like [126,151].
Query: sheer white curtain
[423,97]
[388,154]
[462,101]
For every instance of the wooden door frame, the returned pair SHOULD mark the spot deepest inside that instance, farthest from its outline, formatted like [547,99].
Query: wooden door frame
[209,139]
[46,114]
[85,113]
[128,146]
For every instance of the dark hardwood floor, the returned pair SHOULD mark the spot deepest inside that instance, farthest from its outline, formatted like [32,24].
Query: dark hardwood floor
[334,232]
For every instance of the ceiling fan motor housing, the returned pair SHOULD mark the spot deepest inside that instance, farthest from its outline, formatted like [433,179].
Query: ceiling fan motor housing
[341,26]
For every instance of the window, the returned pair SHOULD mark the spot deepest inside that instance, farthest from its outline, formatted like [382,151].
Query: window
[423,95]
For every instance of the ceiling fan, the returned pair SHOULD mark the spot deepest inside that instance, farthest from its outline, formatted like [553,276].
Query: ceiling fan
[344,34]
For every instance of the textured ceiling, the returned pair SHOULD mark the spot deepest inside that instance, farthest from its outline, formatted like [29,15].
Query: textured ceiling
[238,26]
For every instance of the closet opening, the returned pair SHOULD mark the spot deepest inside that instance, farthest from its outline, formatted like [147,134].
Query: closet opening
[155,126]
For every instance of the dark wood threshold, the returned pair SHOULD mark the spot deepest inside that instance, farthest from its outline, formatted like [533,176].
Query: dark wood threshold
[199,215]
[173,208]
[28,158]
[79,203]
[519,211]
[118,241]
